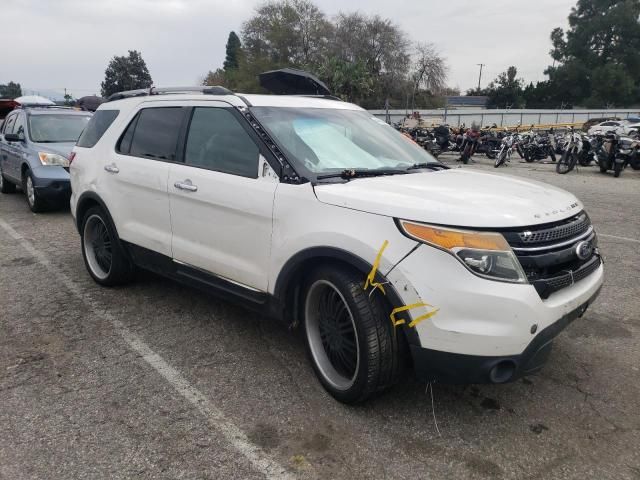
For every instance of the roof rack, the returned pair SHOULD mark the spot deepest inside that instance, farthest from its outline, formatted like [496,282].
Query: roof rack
[143,92]
[41,105]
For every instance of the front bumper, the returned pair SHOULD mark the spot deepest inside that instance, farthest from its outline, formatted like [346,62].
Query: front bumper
[445,367]
[52,182]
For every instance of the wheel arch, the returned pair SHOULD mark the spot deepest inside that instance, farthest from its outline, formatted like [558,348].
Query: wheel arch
[288,288]
[85,202]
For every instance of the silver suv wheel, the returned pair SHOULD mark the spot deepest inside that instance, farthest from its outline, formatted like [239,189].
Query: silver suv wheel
[98,246]
[332,335]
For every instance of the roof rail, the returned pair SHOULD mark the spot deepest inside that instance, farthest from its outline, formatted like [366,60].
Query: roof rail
[40,105]
[143,92]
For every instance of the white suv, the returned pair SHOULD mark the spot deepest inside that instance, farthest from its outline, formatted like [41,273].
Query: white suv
[315,212]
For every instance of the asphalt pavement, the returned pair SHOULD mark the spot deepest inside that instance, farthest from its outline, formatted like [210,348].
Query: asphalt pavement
[155,380]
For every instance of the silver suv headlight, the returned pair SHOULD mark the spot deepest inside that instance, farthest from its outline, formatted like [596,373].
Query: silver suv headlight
[486,254]
[53,159]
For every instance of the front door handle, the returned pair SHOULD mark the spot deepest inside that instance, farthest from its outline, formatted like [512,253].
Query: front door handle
[186,185]
[111,168]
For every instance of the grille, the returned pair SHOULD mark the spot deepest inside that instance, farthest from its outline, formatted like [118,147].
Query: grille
[573,228]
[547,286]
[547,253]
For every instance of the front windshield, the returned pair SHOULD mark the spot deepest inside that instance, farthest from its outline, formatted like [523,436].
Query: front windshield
[327,140]
[56,128]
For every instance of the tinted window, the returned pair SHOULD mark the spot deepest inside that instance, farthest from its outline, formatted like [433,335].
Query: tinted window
[156,133]
[18,127]
[58,128]
[96,127]
[217,141]
[8,127]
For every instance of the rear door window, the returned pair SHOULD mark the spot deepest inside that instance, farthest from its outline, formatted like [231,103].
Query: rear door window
[96,127]
[155,133]
[217,141]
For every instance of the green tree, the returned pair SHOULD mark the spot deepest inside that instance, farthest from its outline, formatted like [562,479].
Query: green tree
[506,90]
[10,90]
[233,52]
[68,99]
[287,33]
[597,57]
[126,73]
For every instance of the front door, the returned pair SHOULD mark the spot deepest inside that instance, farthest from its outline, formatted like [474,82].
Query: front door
[221,199]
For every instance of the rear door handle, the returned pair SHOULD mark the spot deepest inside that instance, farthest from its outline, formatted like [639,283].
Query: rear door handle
[186,185]
[111,168]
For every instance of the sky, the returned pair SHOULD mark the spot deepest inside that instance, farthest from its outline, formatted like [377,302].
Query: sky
[58,44]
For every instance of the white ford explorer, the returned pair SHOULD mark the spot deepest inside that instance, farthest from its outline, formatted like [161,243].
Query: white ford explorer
[315,212]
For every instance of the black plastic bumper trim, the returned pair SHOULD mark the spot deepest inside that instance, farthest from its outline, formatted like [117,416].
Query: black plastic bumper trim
[455,368]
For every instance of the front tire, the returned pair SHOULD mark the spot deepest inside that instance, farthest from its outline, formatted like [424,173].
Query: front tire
[351,342]
[35,202]
[617,169]
[105,258]
[566,163]
[502,156]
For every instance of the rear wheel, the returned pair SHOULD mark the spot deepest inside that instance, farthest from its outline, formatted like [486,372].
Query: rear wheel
[353,347]
[5,185]
[104,257]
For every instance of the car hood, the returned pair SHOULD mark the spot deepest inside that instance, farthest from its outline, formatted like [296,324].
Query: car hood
[63,149]
[456,197]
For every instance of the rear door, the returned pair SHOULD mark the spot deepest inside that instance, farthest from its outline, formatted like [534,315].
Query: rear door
[7,149]
[135,177]
[221,198]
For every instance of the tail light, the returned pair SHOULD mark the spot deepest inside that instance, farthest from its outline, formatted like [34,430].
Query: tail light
[72,155]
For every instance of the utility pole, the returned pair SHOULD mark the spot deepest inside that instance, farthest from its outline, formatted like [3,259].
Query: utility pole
[480,76]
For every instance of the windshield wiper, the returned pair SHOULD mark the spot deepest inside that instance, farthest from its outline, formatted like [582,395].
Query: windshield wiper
[360,173]
[428,166]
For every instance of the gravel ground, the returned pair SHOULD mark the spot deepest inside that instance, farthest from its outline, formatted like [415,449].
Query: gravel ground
[155,380]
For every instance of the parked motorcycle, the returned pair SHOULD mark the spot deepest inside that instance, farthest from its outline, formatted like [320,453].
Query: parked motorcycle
[573,146]
[538,148]
[617,152]
[509,143]
[469,144]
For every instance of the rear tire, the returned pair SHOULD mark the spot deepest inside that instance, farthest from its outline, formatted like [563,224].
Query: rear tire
[354,349]
[105,258]
[5,185]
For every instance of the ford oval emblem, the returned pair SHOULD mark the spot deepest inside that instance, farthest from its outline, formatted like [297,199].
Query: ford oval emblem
[584,250]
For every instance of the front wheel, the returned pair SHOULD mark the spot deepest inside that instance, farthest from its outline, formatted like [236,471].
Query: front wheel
[617,169]
[566,163]
[351,342]
[500,159]
[34,200]
[104,256]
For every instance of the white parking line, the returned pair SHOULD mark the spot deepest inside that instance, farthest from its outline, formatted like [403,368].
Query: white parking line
[260,461]
[626,239]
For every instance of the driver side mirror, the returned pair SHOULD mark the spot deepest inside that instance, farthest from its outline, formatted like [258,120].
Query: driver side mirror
[13,137]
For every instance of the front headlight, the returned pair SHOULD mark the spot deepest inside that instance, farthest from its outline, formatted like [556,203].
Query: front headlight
[53,159]
[485,254]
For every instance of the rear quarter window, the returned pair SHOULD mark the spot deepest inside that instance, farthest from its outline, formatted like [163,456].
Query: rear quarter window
[96,127]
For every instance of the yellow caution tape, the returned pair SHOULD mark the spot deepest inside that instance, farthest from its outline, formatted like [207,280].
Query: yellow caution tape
[372,274]
[370,281]
[416,321]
